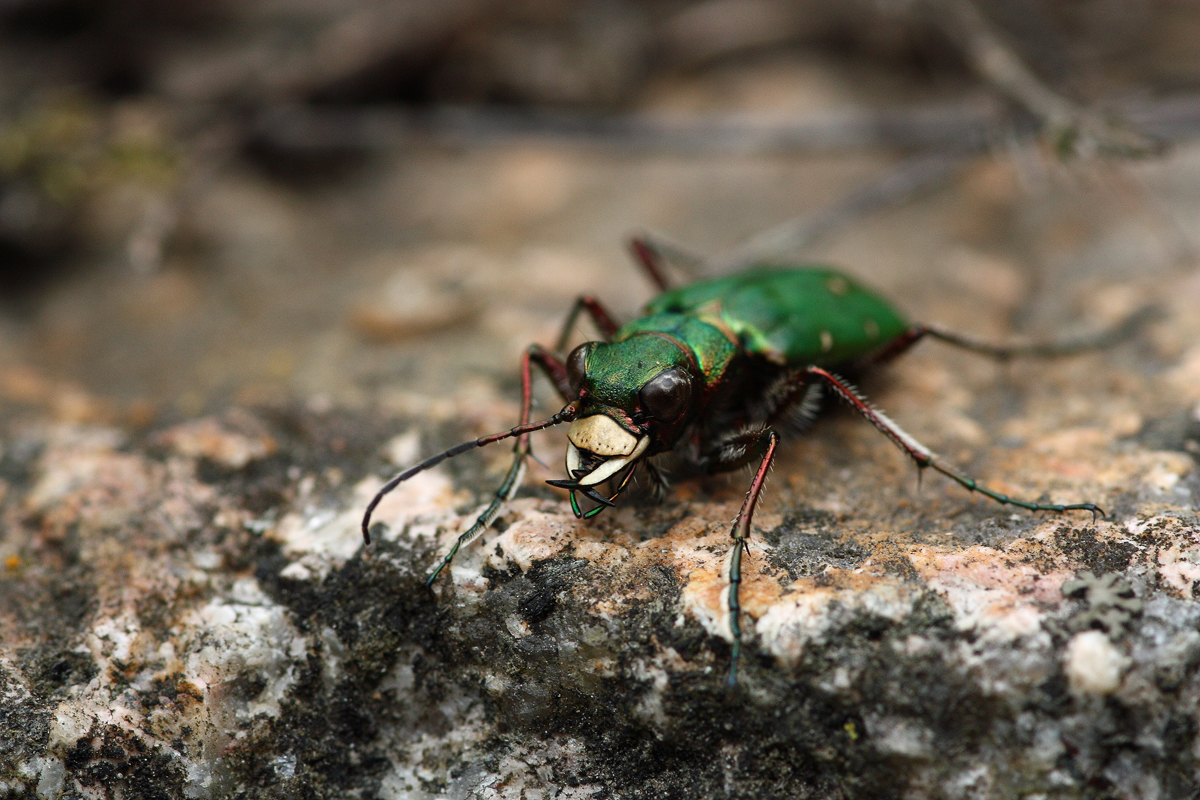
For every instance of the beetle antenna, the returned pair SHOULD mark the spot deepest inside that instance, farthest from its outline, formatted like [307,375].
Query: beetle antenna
[565,415]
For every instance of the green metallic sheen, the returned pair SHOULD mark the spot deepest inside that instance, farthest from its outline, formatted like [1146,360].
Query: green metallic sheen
[711,348]
[617,371]
[812,316]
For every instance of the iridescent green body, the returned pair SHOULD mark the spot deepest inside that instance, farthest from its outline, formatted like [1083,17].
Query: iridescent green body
[796,316]
[734,335]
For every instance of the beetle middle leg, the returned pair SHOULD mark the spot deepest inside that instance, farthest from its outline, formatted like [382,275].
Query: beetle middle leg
[731,453]
[792,401]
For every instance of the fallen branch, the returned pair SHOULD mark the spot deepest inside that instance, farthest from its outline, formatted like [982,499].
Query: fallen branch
[1072,128]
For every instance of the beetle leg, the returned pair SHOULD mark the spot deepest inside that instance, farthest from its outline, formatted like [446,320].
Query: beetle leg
[659,483]
[1096,340]
[552,367]
[654,252]
[893,349]
[924,457]
[596,310]
[793,402]
[1004,351]
[731,453]
[651,260]
[557,372]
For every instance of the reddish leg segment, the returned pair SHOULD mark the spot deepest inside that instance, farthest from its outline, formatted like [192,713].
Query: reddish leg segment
[596,310]
[654,253]
[741,533]
[645,254]
[553,368]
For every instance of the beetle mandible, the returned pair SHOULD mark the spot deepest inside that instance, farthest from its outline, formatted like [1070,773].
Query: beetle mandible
[718,368]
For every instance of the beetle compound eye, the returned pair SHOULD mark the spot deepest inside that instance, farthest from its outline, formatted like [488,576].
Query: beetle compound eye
[667,394]
[577,366]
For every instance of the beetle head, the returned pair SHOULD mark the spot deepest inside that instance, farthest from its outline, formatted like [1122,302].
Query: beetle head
[635,396]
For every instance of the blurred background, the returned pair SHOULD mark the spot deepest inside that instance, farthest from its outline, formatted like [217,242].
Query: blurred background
[251,250]
[356,202]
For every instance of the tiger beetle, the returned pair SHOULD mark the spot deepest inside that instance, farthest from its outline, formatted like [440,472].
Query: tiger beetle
[717,370]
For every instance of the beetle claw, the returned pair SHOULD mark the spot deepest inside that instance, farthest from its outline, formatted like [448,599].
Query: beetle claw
[588,492]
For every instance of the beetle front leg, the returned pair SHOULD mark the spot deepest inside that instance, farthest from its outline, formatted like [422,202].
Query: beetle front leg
[730,454]
[552,367]
[557,373]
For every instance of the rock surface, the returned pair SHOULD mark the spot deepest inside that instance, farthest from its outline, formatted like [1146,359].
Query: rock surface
[189,612]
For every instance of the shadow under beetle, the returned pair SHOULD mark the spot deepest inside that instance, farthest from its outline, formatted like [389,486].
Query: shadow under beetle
[716,369]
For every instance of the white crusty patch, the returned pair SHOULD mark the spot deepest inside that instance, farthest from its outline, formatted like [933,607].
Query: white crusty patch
[533,535]
[989,592]
[322,539]
[1093,664]
[807,616]
[241,635]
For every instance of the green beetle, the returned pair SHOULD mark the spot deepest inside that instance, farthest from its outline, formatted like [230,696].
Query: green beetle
[715,370]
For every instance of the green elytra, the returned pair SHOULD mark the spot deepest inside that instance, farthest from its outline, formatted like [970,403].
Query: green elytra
[794,316]
[717,369]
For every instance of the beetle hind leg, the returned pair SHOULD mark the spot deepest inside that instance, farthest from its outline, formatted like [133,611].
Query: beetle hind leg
[1004,351]
[924,458]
